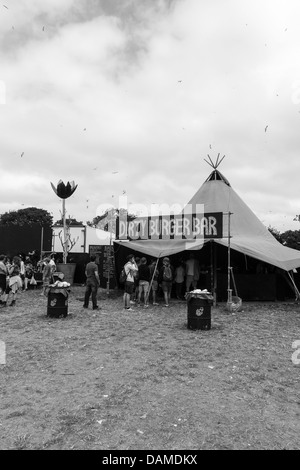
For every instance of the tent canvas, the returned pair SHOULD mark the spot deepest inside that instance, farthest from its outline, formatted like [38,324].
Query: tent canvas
[248,235]
[161,248]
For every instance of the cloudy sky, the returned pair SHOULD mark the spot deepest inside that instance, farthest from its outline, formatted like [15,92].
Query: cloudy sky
[129,96]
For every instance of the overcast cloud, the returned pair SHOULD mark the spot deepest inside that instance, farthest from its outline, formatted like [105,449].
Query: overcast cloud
[131,95]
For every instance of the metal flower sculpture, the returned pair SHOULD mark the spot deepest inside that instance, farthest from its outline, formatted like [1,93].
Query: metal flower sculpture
[64,191]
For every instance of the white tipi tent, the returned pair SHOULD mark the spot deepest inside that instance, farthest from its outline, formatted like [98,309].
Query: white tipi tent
[247,233]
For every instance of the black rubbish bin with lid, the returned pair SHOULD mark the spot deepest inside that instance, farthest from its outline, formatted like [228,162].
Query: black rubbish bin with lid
[199,310]
[58,302]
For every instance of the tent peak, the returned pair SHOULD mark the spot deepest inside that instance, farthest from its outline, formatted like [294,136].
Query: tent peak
[216,175]
[217,162]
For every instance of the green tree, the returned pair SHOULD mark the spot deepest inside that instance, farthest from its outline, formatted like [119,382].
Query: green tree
[71,222]
[275,233]
[109,220]
[291,239]
[29,215]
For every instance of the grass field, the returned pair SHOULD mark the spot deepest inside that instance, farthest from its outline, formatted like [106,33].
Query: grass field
[140,380]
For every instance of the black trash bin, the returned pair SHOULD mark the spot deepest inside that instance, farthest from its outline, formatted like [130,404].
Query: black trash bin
[58,302]
[199,310]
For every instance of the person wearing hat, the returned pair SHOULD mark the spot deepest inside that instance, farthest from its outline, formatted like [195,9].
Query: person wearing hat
[166,280]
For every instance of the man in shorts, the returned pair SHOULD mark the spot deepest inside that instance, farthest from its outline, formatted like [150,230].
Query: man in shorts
[130,269]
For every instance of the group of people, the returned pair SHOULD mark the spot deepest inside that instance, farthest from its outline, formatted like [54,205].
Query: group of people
[10,279]
[18,273]
[143,279]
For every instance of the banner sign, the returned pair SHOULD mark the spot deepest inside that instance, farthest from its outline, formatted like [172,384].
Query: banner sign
[171,227]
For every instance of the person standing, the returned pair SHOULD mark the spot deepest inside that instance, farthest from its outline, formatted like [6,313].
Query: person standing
[144,279]
[179,280]
[53,265]
[28,272]
[166,280]
[15,282]
[130,270]
[46,276]
[92,283]
[192,272]
[22,271]
[3,276]
[135,295]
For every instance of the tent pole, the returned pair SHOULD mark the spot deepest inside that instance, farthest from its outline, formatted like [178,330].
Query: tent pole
[229,295]
[151,282]
[215,275]
[211,269]
[108,267]
[213,272]
[295,287]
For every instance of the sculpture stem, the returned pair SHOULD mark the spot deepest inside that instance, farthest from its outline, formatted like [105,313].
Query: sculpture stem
[65,250]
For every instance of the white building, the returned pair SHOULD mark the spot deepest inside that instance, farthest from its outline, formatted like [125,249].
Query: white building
[81,237]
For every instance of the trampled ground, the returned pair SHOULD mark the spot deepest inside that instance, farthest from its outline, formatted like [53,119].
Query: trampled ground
[140,380]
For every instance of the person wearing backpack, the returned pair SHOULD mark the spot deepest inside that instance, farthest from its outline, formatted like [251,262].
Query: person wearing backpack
[166,280]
